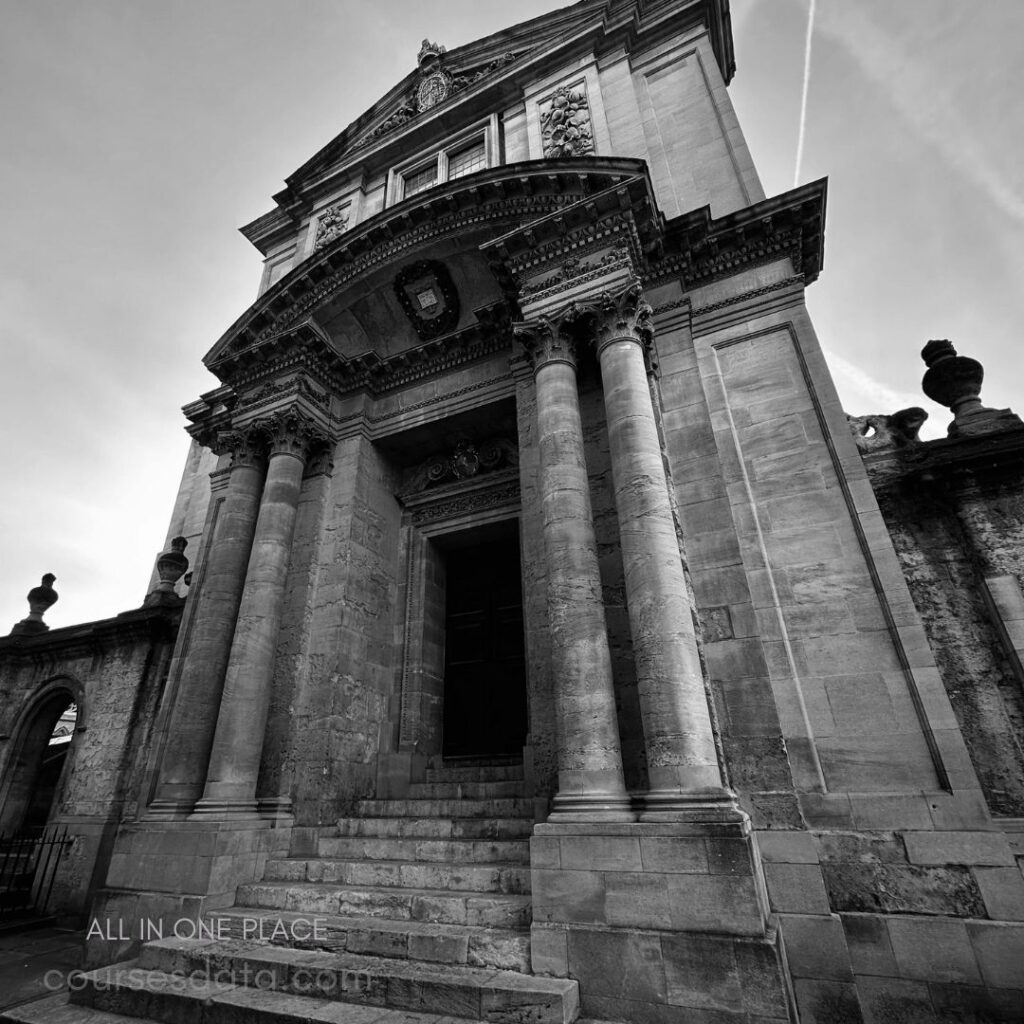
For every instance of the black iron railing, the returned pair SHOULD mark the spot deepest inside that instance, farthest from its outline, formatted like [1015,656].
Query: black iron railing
[28,867]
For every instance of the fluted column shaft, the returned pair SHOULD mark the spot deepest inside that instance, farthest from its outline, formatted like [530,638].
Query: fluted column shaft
[238,741]
[683,767]
[590,780]
[182,772]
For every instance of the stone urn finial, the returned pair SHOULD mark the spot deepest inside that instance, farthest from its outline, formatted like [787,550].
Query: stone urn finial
[39,599]
[170,567]
[955,382]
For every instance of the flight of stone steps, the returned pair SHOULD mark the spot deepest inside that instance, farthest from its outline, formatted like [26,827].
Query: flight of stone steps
[421,908]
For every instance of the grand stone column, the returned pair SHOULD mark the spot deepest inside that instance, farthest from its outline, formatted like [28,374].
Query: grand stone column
[238,741]
[182,771]
[684,774]
[590,780]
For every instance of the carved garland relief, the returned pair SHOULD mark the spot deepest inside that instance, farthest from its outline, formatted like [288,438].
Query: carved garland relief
[565,124]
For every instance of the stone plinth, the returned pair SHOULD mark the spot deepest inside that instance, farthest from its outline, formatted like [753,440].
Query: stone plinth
[164,876]
[656,920]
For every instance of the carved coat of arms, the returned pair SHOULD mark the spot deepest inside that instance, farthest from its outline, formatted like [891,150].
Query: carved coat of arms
[426,293]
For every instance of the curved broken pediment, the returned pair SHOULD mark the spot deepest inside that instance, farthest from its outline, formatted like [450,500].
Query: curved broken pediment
[347,277]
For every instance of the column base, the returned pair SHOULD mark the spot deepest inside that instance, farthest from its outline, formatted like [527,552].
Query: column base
[591,807]
[712,804]
[225,809]
[169,810]
[276,808]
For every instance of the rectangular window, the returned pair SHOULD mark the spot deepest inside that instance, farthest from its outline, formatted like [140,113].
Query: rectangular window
[472,150]
[466,161]
[420,181]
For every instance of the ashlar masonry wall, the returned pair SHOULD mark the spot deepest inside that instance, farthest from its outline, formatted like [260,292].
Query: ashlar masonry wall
[894,890]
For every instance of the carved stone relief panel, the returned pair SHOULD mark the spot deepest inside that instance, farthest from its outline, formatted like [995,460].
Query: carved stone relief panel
[333,222]
[565,123]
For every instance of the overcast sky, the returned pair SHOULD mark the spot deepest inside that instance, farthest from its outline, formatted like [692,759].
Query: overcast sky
[138,135]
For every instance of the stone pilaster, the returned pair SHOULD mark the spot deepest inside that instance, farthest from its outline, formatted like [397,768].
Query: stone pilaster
[684,773]
[182,770]
[590,780]
[238,740]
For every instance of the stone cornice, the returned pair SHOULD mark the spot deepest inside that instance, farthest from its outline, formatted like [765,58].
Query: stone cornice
[622,217]
[700,249]
[152,625]
[956,463]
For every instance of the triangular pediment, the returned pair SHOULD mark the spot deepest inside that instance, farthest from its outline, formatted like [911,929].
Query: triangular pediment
[437,83]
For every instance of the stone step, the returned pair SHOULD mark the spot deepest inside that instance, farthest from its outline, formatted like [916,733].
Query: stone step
[474,993]
[476,773]
[246,1005]
[440,905]
[501,948]
[459,790]
[504,807]
[437,828]
[59,1010]
[458,851]
[492,877]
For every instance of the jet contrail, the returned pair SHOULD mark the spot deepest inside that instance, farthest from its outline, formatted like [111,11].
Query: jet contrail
[803,99]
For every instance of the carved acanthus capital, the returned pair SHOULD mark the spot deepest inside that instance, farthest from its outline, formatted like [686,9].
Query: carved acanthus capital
[247,446]
[545,341]
[625,316]
[290,432]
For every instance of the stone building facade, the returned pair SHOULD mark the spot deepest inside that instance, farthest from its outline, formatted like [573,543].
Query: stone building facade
[551,639]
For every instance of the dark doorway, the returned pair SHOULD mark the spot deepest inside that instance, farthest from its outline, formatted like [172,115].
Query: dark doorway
[485,670]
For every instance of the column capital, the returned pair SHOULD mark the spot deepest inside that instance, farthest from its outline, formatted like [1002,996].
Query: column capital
[624,315]
[545,340]
[291,432]
[245,445]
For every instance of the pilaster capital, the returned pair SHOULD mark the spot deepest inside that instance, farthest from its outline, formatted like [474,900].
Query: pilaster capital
[545,341]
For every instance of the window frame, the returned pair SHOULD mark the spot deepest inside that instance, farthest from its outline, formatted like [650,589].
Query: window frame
[487,130]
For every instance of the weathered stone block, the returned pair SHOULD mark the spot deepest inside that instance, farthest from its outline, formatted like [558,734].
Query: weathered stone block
[714,903]
[896,1001]
[796,888]
[827,1002]
[671,855]
[815,947]
[1002,889]
[999,949]
[568,896]
[902,888]
[620,964]
[601,853]
[933,950]
[958,1003]
[867,939]
[637,900]
[701,972]
[787,847]
[728,855]
[549,951]
[990,848]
